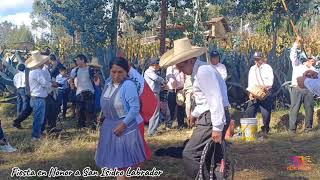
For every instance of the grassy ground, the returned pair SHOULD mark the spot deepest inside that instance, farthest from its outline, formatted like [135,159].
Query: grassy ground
[75,150]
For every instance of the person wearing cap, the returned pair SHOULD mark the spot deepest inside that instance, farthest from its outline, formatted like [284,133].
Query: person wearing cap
[298,95]
[19,83]
[215,61]
[260,75]
[154,81]
[39,86]
[210,100]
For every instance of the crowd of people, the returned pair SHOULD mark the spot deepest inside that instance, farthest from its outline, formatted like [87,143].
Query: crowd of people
[192,91]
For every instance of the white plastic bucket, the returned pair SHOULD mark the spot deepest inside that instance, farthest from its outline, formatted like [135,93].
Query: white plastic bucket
[249,128]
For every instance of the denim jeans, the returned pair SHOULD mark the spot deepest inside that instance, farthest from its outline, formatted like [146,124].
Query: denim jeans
[22,100]
[265,107]
[155,119]
[39,108]
[1,132]
[63,99]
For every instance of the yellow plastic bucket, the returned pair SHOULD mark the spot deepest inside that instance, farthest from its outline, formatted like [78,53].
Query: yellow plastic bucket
[249,128]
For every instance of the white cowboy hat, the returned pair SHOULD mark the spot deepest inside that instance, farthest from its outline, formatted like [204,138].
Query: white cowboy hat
[182,51]
[36,59]
[95,62]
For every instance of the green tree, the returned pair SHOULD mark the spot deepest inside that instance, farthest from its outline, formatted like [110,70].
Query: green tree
[5,29]
[19,34]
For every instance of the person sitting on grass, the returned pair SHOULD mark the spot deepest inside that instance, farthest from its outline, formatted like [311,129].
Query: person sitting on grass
[4,144]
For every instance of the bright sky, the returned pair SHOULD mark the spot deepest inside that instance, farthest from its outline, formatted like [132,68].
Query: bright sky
[16,11]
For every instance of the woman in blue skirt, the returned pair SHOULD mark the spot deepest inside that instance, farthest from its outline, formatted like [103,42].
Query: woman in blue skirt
[120,144]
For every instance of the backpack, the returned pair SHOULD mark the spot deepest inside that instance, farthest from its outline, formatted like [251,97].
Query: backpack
[220,171]
[91,75]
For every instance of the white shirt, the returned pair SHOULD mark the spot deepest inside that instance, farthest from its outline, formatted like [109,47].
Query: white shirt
[188,84]
[260,76]
[174,75]
[153,79]
[83,82]
[19,80]
[47,76]
[63,81]
[221,68]
[298,67]
[313,85]
[208,96]
[39,85]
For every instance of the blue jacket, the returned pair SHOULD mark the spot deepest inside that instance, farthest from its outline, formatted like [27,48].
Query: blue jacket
[130,99]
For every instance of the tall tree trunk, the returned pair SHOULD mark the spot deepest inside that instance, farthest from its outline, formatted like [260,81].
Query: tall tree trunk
[105,56]
[163,26]
[114,29]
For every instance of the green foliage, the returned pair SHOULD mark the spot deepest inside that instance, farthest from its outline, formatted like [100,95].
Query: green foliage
[5,29]
[17,35]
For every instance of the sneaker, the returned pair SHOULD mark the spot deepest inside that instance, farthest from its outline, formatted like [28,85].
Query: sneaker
[17,125]
[7,148]
[34,139]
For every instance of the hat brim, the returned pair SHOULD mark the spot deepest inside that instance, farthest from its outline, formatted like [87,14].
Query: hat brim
[95,65]
[31,63]
[169,59]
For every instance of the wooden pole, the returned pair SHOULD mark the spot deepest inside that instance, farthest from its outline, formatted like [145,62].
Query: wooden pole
[295,30]
[163,24]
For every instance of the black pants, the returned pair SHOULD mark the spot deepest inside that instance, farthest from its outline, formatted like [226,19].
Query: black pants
[172,95]
[299,96]
[200,137]
[265,107]
[85,109]
[52,112]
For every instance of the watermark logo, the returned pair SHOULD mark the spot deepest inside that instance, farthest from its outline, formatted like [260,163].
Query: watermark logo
[299,163]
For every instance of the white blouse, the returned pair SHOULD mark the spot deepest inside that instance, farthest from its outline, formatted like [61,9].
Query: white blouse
[119,107]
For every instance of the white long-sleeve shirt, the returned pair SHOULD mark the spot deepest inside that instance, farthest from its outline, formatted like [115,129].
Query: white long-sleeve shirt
[19,80]
[208,94]
[313,85]
[47,76]
[298,67]
[174,75]
[260,76]
[39,85]
[221,68]
[153,79]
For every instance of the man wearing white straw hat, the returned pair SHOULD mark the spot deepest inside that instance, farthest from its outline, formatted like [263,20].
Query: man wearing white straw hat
[210,97]
[39,86]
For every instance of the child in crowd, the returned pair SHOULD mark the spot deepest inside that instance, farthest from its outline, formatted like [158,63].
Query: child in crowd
[62,80]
